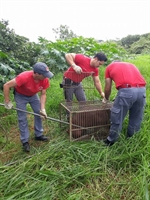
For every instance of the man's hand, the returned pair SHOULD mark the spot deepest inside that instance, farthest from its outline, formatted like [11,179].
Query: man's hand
[8,105]
[103,95]
[104,100]
[77,68]
[43,113]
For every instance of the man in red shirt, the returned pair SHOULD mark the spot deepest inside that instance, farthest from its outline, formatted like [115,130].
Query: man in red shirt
[81,67]
[26,86]
[130,97]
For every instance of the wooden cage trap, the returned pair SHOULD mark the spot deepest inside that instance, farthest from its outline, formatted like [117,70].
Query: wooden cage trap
[86,119]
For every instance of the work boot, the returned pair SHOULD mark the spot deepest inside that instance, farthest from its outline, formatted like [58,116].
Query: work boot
[108,143]
[42,138]
[26,147]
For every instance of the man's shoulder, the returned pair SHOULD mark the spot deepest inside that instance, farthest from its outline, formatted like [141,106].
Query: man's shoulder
[82,56]
[24,75]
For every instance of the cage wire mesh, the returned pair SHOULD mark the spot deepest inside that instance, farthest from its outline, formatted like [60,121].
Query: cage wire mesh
[87,85]
[86,119]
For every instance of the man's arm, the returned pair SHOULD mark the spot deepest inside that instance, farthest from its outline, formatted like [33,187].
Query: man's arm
[98,85]
[70,57]
[6,89]
[43,101]
[108,84]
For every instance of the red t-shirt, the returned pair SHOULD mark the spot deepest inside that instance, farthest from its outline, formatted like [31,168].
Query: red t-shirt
[26,85]
[124,73]
[87,69]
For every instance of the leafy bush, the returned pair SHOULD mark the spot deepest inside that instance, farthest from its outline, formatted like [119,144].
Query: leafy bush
[10,67]
[17,46]
[142,46]
[53,53]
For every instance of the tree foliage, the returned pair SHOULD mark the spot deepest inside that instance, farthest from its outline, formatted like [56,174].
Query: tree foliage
[11,43]
[53,52]
[17,46]
[136,44]
[10,67]
[63,32]
[126,42]
[17,54]
[142,46]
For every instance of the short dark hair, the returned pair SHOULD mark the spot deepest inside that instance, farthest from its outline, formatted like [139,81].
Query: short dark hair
[101,57]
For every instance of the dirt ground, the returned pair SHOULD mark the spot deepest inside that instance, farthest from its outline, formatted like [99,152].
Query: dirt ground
[10,145]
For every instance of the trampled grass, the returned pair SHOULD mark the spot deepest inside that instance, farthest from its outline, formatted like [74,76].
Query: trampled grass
[63,170]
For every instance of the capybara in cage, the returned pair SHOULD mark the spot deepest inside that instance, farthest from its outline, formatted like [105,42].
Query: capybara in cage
[95,123]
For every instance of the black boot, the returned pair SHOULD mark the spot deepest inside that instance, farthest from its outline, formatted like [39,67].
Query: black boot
[108,143]
[42,138]
[26,147]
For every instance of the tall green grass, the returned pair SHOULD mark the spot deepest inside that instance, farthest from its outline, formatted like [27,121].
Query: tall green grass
[85,170]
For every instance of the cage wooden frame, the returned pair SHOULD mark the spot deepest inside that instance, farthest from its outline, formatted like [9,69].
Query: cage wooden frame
[73,108]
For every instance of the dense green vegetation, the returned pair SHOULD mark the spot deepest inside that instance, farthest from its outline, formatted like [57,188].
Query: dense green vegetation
[74,170]
[137,44]
[64,170]
[17,53]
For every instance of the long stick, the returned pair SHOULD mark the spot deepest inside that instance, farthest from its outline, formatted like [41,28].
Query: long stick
[32,113]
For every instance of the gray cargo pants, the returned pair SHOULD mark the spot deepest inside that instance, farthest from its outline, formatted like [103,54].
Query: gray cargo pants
[127,99]
[73,89]
[21,103]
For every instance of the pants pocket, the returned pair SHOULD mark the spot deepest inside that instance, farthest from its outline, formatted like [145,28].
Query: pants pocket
[115,115]
[144,97]
[125,99]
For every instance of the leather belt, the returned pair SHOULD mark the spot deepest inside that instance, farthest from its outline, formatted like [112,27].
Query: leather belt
[14,92]
[130,86]
[68,81]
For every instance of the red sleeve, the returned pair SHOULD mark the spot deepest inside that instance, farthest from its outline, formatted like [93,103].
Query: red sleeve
[107,73]
[78,58]
[46,83]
